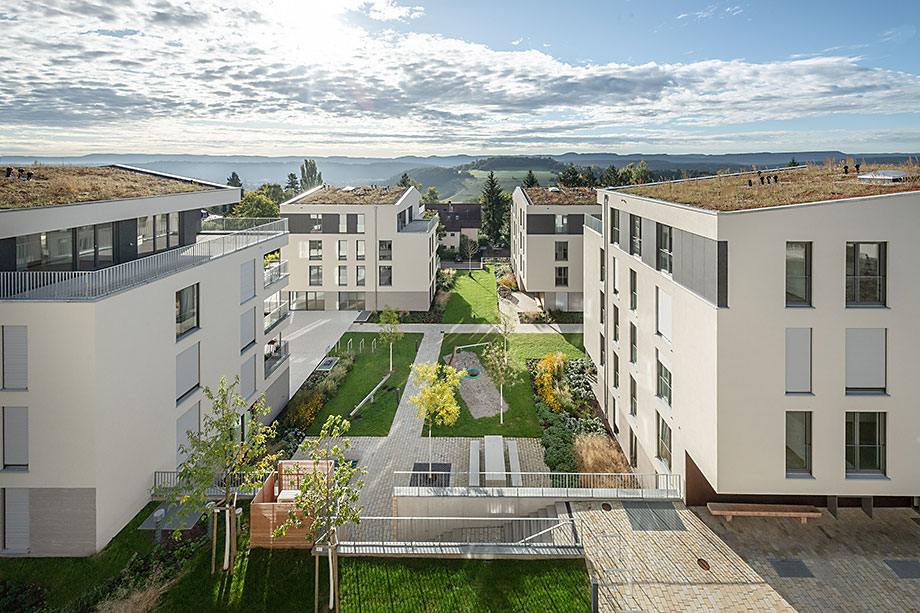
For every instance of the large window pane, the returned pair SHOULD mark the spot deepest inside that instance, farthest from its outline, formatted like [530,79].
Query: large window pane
[59,250]
[798,441]
[173,230]
[162,231]
[104,245]
[664,383]
[386,276]
[29,250]
[186,309]
[316,301]
[664,248]
[145,235]
[385,251]
[86,247]
[635,235]
[664,441]
[798,273]
[562,276]
[316,250]
[359,247]
[298,301]
[316,275]
[865,442]
[866,264]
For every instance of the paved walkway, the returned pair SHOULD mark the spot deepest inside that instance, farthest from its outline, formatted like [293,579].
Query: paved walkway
[648,560]
[407,441]
[474,328]
[308,336]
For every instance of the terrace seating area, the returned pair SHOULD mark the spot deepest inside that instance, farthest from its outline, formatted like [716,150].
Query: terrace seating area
[271,504]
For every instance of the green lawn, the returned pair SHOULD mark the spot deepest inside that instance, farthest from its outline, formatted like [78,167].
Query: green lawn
[67,579]
[476,295]
[375,418]
[521,417]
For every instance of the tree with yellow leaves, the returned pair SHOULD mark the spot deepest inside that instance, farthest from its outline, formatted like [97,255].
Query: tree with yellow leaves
[436,399]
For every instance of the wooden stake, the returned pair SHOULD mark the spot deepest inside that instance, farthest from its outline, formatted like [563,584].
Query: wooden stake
[213,540]
[335,566]
[316,586]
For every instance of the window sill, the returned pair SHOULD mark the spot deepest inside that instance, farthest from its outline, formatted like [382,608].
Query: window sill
[14,389]
[248,347]
[186,335]
[187,395]
[868,476]
[666,409]
[660,467]
[880,393]
[867,306]
[15,469]
[800,306]
[806,476]
[801,394]
[251,298]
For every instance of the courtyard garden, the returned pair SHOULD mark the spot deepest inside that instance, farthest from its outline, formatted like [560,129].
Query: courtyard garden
[340,390]
[520,418]
[473,298]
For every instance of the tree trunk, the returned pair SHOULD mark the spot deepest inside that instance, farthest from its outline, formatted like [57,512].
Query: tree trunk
[501,412]
[331,581]
[429,449]
[391,357]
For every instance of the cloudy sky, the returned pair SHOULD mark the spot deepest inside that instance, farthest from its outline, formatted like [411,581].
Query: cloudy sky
[385,77]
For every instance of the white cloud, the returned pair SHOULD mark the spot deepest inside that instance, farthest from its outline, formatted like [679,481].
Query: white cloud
[389,10]
[258,80]
[517,42]
[682,16]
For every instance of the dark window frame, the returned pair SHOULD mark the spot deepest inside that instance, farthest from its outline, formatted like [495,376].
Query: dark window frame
[181,330]
[791,453]
[805,279]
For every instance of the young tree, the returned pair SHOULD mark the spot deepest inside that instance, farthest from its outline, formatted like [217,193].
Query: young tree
[229,449]
[293,183]
[570,177]
[234,180]
[468,248]
[389,329]
[404,180]
[611,177]
[495,207]
[431,196]
[309,175]
[530,180]
[327,499]
[792,162]
[436,401]
[500,368]
[255,204]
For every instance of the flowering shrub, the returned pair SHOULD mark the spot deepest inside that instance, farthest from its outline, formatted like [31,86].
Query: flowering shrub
[303,409]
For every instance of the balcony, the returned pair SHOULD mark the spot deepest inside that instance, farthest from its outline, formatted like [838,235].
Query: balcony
[420,226]
[276,315]
[275,354]
[275,271]
[233,235]
[593,223]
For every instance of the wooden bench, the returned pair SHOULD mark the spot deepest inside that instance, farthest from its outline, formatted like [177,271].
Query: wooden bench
[514,464]
[474,463]
[729,510]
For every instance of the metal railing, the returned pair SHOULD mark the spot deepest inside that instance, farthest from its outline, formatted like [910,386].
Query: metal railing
[541,485]
[275,272]
[169,480]
[277,354]
[417,226]
[276,315]
[593,223]
[97,284]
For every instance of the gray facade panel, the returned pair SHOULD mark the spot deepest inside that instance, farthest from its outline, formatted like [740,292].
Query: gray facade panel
[189,226]
[710,270]
[576,224]
[700,265]
[649,242]
[298,223]
[62,521]
[126,240]
[351,222]
[330,223]
[541,223]
[722,257]
[8,254]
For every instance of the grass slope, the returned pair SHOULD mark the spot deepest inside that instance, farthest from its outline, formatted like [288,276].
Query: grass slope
[521,417]
[476,295]
[471,189]
[375,418]
[66,579]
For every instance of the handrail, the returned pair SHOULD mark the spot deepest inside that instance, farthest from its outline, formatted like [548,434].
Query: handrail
[78,285]
[275,357]
[275,272]
[276,315]
[593,223]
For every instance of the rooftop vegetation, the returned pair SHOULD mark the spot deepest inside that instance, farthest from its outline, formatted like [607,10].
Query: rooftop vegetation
[352,195]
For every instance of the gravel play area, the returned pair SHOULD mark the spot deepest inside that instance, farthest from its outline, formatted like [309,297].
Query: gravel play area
[478,392]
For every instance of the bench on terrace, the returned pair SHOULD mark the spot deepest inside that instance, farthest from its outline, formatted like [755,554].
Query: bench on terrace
[729,510]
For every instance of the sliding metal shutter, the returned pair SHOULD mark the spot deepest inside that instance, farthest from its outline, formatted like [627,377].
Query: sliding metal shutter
[247,328]
[247,280]
[186,370]
[248,377]
[15,436]
[16,519]
[15,357]
[866,358]
[665,316]
[798,360]
[188,421]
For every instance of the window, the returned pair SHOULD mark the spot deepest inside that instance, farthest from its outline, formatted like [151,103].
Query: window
[633,290]
[303,249]
[15,438]
[562,276]
[798,360]
[343,224]
[359,249]
[664,442]
[633,449]
[298,301]
[343,250]
[343,275]
[316,222]
[145,244]
[15,357]
[663,316]
[866,360]
[562,251]
[187,373]
[865,442]
[633,397]
[633,344]
[162,222]
[616,370]
[86,248]
[173,230]
[385,251]
[635,235]
[316,250]
[247,280]
[105,233]
[603,264]
[866,264]
[798,442]
[359,276]
[664,383]
[616,276]
[615,226]
[247,329]
[316,301]
[386,276]
[603,348]
[562,224]
[798,274]
[361,228]
[186,309]
[616,324]
[351,301]
[316,275]
[603,308]
[664,248]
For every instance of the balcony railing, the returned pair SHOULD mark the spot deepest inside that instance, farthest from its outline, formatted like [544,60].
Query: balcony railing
[274,356]
[97,284]
[593,223]
[420,226]
[275,272]
[276,315]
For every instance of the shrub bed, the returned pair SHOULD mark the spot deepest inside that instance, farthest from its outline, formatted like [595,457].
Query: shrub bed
[551,317]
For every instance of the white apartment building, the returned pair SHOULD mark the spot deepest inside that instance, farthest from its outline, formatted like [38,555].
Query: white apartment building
[759,346]
[115,314]
[360,248]
[546,243]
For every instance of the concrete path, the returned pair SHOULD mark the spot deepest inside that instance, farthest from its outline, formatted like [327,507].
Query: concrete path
[308,336]
[473,328]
